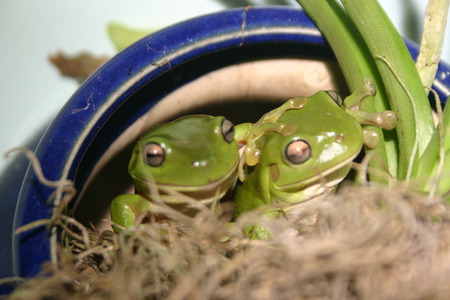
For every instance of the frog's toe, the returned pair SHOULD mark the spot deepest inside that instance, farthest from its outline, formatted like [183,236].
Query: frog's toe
[389,120]
[370,139]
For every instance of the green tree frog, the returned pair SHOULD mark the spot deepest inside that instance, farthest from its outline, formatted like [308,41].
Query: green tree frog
[302,150]
[190,161]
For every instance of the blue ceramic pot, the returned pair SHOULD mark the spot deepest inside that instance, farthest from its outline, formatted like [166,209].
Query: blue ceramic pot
[131,83]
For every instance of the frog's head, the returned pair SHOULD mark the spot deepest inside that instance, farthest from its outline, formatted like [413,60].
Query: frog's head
[325,142]
[194,155]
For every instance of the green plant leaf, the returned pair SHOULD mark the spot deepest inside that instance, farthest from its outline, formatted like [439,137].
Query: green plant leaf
[357,64]
[400,78]
[432,42]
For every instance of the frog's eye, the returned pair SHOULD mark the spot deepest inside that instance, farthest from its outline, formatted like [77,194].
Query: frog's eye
[227,130]
[335,96]
[298,151]
[154,154]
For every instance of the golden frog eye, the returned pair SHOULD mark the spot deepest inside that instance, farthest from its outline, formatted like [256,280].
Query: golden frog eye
[154,154]
[298,151]
[227,130]
[335,96]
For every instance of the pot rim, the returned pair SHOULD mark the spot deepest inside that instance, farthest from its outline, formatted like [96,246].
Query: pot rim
[67,139]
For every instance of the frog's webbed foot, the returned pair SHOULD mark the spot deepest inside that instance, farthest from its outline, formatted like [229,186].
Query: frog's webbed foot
[386,119]
[258,232]
[370,139]
[251,153]
[262,229]
[250,133]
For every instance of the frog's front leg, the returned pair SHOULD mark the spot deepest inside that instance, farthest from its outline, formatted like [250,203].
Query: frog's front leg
[248,133]
[386,119]
[125,208]
[365,90]
[273,115]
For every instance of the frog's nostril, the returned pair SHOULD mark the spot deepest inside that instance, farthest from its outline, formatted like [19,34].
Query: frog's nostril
[198,164]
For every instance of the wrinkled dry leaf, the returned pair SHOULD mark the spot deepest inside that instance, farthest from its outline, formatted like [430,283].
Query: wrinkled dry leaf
[79,66]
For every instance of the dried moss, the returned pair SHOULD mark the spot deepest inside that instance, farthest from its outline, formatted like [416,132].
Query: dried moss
[362,243]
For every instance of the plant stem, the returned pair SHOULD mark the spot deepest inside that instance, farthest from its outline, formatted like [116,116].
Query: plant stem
[400,78]
[357,64]
[434,25]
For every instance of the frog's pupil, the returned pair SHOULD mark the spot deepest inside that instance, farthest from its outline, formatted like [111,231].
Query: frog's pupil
[227,130]
[298,151]
[155,154]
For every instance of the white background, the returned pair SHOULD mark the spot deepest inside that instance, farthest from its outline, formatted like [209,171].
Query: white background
[31,89]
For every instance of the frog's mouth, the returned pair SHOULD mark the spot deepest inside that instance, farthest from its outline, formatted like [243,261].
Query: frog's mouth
[328,178]
[204,194]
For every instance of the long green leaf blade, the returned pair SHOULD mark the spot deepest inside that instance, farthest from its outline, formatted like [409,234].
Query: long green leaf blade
[400,78]
[357,64]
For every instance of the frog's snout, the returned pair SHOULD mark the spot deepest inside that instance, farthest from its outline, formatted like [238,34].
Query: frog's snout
[199,163]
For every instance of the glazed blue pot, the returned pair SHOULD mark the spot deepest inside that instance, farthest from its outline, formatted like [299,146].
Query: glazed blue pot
[131,83]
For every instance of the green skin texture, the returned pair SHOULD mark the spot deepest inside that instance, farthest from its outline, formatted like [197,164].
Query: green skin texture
[201,164]
[335,138]
[194,145]
[355,31]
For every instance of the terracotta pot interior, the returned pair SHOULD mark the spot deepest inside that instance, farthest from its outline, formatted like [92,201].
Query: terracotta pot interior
[241,93]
